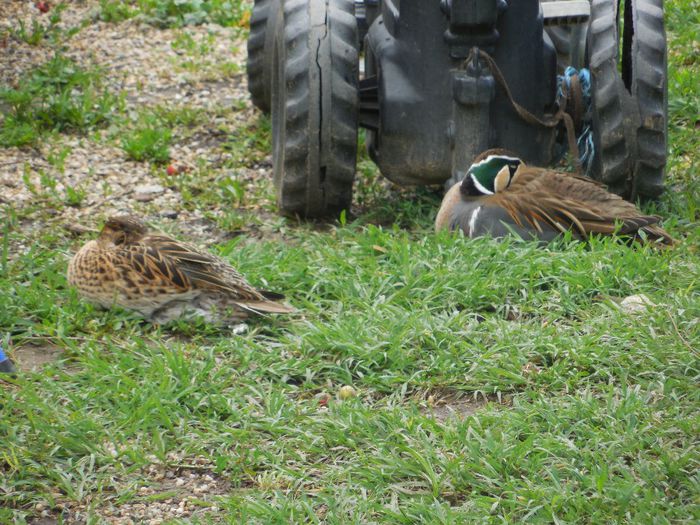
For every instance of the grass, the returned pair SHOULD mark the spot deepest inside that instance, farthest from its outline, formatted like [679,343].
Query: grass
[149,141]
[590,413]
[57,96]
[601,404]
[38,33]
[177,13]
[32,36]
[195,56]
[116,11]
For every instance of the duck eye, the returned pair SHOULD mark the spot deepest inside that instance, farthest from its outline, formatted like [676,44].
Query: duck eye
[120,238]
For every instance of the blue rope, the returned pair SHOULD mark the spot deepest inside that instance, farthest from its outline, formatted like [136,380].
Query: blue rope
[586,147]
[584,77]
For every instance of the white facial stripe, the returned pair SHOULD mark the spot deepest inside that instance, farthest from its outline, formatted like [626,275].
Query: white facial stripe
[487,159]
[472,221]
[479,187]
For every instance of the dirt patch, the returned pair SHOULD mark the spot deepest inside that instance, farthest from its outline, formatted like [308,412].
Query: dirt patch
[44,521]
[32,358]
[443,407]
[458,408]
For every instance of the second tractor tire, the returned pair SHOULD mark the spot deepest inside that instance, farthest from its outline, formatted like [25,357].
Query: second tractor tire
[260,42]
[628,64]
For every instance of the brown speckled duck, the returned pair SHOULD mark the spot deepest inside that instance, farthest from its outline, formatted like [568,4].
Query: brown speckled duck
[162,278]
[501,195]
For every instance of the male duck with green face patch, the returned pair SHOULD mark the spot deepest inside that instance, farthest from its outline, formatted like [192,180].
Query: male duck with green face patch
[500,195]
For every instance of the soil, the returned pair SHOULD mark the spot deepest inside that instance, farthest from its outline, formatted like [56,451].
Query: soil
[33,358]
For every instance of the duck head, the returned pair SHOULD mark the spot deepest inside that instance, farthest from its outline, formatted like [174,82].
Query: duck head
[489,174]
[122,229]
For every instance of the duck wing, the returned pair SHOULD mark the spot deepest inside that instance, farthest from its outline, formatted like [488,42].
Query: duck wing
[145,265]
[184,262]
[543,198]
[203,270]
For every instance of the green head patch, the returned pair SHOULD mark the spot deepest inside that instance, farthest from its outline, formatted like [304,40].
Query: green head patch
[489,176]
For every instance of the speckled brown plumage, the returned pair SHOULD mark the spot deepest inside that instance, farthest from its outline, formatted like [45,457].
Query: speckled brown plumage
[162,278]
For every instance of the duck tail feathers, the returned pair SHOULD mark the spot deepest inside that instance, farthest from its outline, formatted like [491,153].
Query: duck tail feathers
[266,307]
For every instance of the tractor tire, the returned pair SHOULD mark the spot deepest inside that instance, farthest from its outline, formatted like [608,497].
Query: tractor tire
[629,93]
[315,106]
[610,133]
[260,42]
[645,73]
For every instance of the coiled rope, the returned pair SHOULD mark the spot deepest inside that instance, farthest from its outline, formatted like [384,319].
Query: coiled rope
[549,121]
[576,83]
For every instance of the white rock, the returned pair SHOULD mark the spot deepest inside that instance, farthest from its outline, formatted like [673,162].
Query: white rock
[635,304]
[239,329]
[156,189]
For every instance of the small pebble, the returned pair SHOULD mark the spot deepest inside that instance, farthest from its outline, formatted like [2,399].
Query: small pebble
[147,192]
[169,214]
[239,329]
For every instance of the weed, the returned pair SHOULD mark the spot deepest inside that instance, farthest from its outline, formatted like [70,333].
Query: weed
[38,33]
[16,132]
[186,43]
[249,145]
[115,11]
[195,56]
[232,190]
[47,192]
[32,36]
[148,142]
[9,221]
[220,70]
[147,134]
[177,13]
[75,196]
[60,96]
[184,116]
[57,159]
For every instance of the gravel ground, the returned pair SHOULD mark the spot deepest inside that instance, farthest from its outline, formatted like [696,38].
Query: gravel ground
[148,67]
